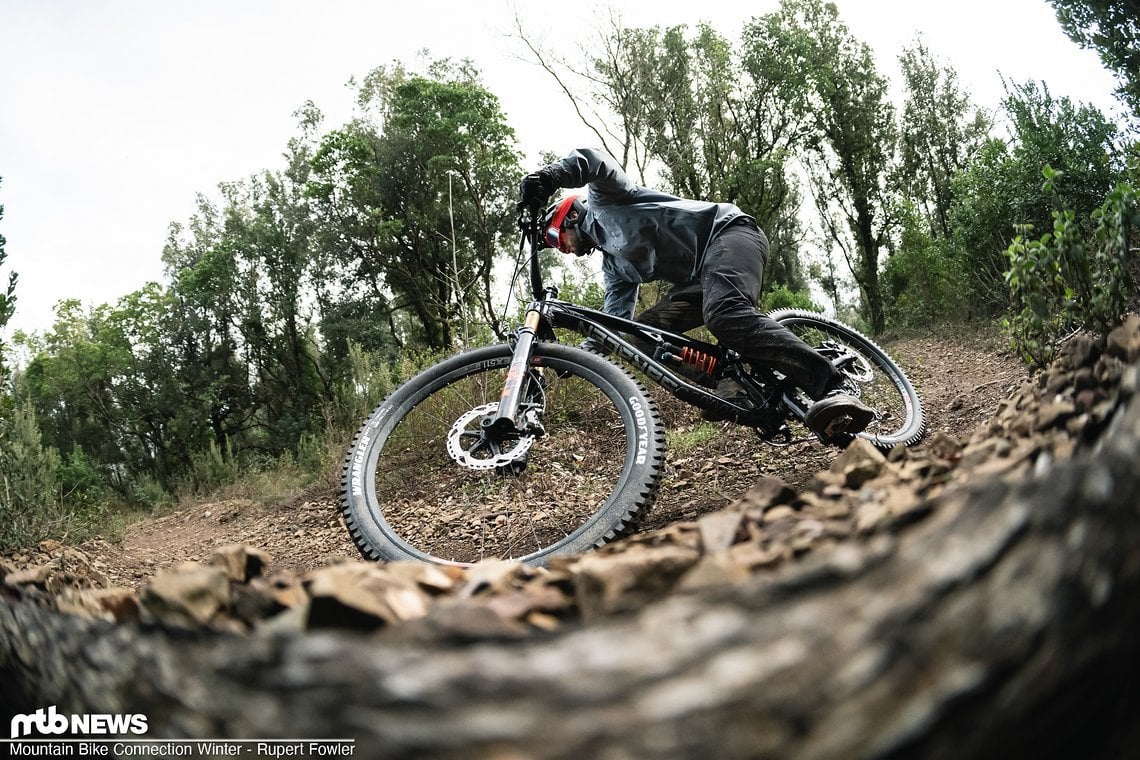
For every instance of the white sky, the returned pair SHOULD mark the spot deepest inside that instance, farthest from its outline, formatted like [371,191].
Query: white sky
[115,114]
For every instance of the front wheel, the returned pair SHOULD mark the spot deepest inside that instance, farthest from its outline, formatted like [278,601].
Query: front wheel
[870,373]
[426,479]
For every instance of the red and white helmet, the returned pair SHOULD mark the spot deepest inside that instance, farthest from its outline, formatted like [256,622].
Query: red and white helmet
[564,214]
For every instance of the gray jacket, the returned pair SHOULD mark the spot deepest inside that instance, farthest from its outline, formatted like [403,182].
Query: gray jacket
[645,234]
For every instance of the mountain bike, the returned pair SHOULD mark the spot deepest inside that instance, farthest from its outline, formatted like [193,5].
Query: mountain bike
[538,447]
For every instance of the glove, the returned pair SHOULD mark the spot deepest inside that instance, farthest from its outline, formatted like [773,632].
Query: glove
[535,189]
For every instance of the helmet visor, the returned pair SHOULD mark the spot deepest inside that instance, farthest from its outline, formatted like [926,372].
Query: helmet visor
[552,235]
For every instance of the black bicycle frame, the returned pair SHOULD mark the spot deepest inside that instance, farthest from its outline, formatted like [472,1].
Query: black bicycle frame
[546,313]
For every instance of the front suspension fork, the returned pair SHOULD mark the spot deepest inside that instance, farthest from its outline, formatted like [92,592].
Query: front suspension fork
[504,419]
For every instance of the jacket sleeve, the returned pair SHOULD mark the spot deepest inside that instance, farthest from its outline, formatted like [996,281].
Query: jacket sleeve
[621,294]
[596,168]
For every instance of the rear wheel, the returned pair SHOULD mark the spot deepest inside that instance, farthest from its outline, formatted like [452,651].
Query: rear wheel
[871,374]
[426,479]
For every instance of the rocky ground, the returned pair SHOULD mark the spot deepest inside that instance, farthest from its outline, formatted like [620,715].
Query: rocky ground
[729,507]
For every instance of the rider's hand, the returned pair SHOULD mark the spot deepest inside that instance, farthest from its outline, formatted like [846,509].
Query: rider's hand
[535,189]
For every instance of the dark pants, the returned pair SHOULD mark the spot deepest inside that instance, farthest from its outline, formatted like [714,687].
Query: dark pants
[724,300]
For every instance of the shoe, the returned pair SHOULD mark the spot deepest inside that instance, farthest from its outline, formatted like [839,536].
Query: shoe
[838,413]
[734,393]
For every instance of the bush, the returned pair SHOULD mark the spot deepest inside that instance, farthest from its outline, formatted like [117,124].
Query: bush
[781,297]
[29,485]
[42,496]
[921,279]
[1061,280]
[1002,185]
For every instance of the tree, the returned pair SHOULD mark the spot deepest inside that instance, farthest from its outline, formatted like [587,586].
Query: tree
[202,270]
[350,228]
[851,131]
[1112,29]
[922,279]
[158,417]
[711,121]
[940,133]
[268,226]
[415,202]
[248,280]
[606,88]
[109,393]
[71,383]
[1064,279]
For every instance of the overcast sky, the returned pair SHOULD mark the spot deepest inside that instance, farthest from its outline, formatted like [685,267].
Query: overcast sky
[116,114]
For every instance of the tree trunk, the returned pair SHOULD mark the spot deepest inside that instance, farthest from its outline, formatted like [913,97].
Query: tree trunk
[1006,624]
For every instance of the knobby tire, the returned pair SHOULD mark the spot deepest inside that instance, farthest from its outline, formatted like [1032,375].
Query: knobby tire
[588,480]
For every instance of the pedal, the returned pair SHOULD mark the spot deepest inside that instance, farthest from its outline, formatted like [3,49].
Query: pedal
[838,426]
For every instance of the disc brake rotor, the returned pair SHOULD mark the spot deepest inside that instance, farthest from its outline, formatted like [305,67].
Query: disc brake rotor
[859,369]
[850,363]
[477,449]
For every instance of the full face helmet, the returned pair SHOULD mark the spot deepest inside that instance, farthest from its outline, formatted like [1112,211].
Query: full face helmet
[564,215]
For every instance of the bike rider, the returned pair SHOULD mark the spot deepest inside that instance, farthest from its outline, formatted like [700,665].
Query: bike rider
[712,253]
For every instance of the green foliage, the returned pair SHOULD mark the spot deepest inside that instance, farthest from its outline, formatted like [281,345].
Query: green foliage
[940,133]
[589,294]
[576,284]
[781,297]
[415,203]
[1112,29]
[367,382]
[7,309]
[29,499]
[42,495]
[921,278]
[1002,186]
[1065,278]
[80,478]
[210,470]
[7,296]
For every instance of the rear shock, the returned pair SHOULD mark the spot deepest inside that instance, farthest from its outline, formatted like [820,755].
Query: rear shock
[693,363]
